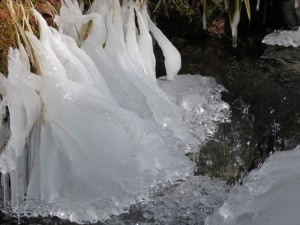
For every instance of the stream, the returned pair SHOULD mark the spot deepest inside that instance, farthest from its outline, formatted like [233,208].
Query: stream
[263,92]
[262,85]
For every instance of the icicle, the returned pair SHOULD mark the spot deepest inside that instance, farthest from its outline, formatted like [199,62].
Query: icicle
[204,15]
[18,194]
[144,13]
[70,21]
[171,54]
[258,5]
[74,68]
[131,41]
[234,36]
[4,185]
[91,67]
[117,19]
[146,46]
[204,21]
[101,7]
[81,5]
[70,7]
[43,50]
[125,14]
[234,12]
[17,191]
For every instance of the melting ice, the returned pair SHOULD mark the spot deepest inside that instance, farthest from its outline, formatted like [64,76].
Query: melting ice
[93,131]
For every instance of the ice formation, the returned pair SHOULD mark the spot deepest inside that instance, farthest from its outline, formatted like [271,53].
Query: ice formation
[93,131]
[270,195]
[184,202]
[257,5]
[233,8]
[283,38]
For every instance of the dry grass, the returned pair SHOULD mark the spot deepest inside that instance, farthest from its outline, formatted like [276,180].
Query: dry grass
[8,34]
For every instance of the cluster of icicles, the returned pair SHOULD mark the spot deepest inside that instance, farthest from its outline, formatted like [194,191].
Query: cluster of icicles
[93,131]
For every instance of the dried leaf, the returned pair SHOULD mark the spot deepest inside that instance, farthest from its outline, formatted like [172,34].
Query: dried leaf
[45,8]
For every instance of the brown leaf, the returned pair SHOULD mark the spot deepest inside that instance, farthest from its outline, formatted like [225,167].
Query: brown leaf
[45,8]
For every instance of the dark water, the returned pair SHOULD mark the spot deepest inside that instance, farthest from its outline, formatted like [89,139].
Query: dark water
[263,86]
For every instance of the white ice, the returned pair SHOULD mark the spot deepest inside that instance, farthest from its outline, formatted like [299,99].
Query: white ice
[283,38]
[269,195]
[234,24]
[93,132]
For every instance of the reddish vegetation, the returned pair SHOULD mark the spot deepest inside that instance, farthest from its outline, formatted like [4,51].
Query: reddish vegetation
[216,28]
[7,31]
[7,36]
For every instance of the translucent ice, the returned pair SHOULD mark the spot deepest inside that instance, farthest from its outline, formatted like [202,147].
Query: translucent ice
[269,195]
[171,54]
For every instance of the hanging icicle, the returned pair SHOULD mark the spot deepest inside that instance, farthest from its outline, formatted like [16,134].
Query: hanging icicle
[234,10]
[204,15]
[258,5]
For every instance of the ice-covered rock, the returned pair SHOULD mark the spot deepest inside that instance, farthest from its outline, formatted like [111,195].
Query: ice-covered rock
[269,195]
[284,38]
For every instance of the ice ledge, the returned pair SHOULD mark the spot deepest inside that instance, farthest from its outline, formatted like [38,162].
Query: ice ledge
[284,38]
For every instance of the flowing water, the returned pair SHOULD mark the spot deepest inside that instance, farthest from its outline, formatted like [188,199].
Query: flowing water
[262,91]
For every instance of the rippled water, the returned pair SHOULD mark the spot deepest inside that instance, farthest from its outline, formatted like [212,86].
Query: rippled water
[263,93]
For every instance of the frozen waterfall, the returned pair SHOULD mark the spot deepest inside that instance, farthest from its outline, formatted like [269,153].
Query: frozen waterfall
[93,130]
